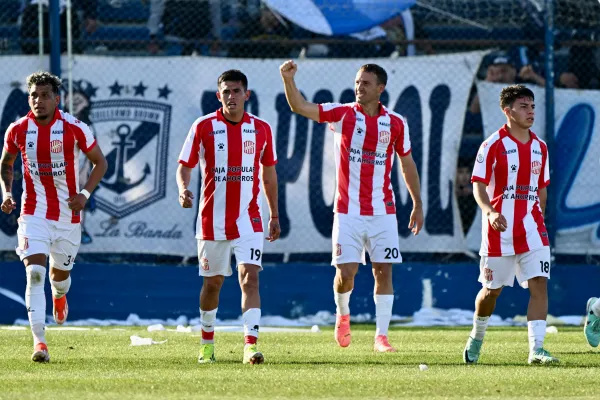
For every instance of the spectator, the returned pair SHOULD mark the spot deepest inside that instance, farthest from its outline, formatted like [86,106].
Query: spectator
[583,71]
[182,21]
[501,70]
[400,27]
[266,26]
[464,192]
[29,24]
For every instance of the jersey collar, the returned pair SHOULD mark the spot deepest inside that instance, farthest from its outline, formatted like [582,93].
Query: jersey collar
[381,109]
[221,117]
[56,116]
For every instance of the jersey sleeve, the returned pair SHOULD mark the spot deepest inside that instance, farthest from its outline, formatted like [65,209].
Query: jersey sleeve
[269,156]
[484,164]
[402,145]
[331,112]
[84,137]
[10,140]
[190,153]
[544,179]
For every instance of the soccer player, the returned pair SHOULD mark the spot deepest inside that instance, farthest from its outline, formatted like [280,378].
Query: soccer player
[510,177]
[49,141]
[592,322]
[231,145]
[366,135]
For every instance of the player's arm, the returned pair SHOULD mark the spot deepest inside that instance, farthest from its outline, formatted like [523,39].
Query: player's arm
[99,167]
[497,220]
[184,175]
[411,177]
[269,179]
[543,195]
[7,174]
[297,102]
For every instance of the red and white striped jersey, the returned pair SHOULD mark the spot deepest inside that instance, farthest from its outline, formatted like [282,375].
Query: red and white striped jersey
[514,172]
[229,156]
[50,168]
[364,154]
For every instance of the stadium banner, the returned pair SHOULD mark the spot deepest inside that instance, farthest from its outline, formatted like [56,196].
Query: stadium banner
[141,110]
[574,164]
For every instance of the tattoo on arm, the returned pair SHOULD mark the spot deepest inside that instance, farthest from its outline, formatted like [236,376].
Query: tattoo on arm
[6,170]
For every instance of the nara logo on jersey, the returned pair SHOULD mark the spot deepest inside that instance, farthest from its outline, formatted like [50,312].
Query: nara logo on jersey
[134,136]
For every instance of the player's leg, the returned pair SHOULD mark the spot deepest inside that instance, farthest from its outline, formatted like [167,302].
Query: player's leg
[533,272]
[348,238]
[214,265]
[248,255]
[384,248]
[591,329]
[62,257]
[34,246]
[494,274]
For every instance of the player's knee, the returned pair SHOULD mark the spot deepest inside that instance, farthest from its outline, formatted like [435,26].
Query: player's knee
[382,271]
[36,275]
[213,283]
[345,274]
[492,293]
[249,282]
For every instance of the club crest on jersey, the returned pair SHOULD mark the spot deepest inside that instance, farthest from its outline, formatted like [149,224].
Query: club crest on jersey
[249,147]
[56,146]
[536,167]
[384,137]
[134,135]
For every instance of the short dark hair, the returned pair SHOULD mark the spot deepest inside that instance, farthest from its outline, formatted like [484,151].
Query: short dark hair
[44,78]
[377,70]
[511,93]
[233,75]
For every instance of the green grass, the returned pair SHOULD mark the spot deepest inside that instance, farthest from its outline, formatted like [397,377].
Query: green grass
[100,364]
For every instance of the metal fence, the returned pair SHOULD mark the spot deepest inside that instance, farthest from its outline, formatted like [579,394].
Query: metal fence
[152,40]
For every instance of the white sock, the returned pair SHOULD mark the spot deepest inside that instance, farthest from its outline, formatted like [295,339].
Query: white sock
[536,331]
[251,320]
[342,302]
[479,327]
[383,312]
[207,321]
[35,300]
[59,289]
[596,308]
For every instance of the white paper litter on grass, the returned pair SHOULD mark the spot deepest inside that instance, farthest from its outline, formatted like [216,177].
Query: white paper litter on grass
[140,341]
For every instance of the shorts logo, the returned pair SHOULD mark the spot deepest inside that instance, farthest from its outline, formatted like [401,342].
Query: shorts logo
[56,146]
[536,167]
[23,243]
[204,264]
[338,249]
[249,147]
[488,274]
[384,137]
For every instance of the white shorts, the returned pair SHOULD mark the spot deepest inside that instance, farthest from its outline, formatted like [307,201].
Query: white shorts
[495,272]
[352,234]
[214,256]
[59,240]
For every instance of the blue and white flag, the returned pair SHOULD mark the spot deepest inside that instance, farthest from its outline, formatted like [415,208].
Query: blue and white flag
[338,17]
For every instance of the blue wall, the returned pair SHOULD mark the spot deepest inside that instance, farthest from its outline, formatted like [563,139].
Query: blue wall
[114,291]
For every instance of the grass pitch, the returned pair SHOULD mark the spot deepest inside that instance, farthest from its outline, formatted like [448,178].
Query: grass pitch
[100,364]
